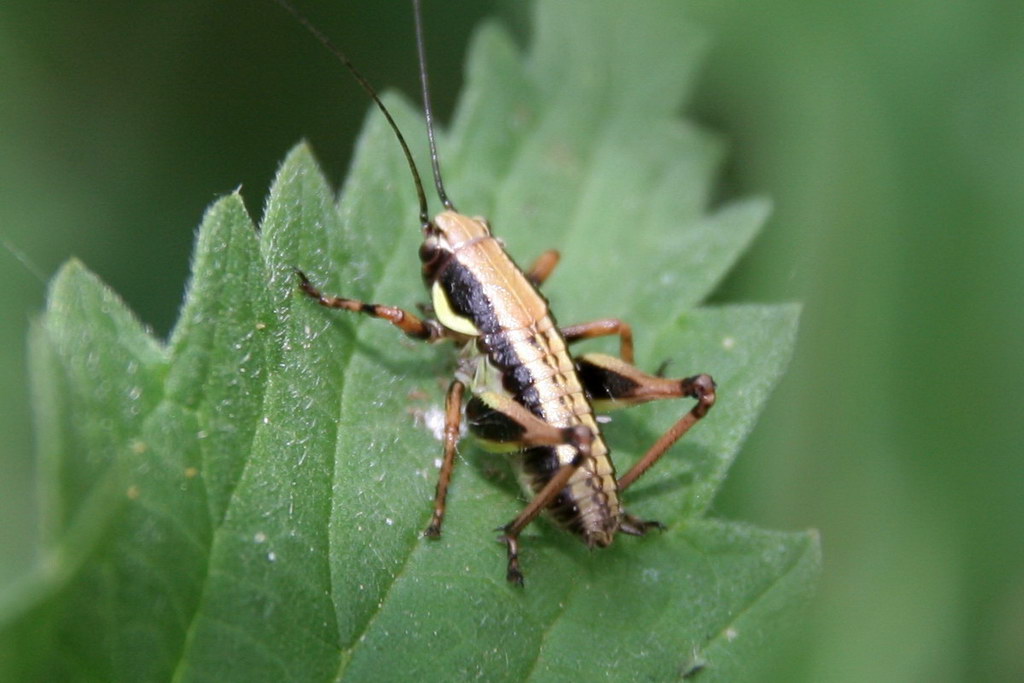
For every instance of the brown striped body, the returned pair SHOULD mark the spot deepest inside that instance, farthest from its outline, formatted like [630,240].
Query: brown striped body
[529,395]
[514,348]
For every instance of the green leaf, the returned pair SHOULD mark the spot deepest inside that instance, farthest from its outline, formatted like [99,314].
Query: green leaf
[246,501]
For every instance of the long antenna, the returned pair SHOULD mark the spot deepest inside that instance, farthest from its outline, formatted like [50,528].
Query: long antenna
[428,111]
[340,55]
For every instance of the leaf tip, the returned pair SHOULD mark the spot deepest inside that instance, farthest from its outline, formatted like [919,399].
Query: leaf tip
[71,275]
[301,153]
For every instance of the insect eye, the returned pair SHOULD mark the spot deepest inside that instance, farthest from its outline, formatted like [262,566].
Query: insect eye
[429,250]
[433,256]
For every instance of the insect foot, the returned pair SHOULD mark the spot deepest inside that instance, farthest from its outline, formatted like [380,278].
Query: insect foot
[634,526]
[513,574]
[701,387]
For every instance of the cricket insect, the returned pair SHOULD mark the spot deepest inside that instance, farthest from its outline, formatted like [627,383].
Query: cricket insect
[528,394]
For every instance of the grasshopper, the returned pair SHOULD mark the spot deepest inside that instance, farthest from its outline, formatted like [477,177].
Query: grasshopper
[527,393]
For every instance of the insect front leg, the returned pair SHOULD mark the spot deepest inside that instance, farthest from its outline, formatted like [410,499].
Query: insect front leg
[612,382]
[414,326]
[503,424]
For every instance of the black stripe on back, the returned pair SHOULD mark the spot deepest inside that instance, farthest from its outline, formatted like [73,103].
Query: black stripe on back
[467,298]
[515,377]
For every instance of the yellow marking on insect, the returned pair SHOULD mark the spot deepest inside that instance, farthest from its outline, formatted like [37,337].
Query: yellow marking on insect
[498,446]
[448,317]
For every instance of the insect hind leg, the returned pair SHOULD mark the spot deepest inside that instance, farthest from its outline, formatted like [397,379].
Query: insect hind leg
[510,532]
[503,424]
[611,382]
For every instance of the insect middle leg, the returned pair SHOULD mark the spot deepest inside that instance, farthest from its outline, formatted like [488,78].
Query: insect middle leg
[504,424]
[452,423]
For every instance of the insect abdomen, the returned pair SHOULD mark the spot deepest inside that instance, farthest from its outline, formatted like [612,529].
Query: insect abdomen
[538,373]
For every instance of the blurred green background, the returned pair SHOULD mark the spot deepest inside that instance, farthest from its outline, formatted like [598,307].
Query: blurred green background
[889,134]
